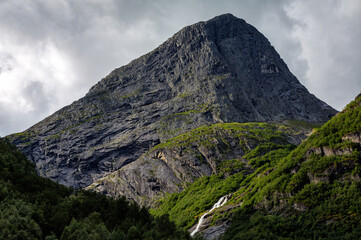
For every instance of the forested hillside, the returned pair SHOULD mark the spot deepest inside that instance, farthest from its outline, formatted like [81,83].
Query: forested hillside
[32,207]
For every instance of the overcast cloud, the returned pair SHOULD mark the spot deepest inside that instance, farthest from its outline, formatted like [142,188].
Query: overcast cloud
[52,52]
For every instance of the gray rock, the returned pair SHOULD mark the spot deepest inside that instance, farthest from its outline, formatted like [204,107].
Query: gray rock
[353,137]
[214,232]
[222,70]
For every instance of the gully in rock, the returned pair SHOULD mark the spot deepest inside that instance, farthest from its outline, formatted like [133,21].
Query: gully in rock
[218,204]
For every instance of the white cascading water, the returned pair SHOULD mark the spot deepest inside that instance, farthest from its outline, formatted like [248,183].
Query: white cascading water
[218,204]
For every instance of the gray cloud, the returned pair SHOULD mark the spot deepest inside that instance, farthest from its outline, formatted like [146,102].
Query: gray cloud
[11,118]
[329,36]
[52,52]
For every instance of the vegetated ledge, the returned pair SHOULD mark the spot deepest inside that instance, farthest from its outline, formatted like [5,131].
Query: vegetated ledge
[224,148]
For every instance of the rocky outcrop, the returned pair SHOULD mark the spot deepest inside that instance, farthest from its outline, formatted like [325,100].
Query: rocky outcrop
[327,151]
[215,232]
[300,206]
[334,170]
[353,137]
[222,70]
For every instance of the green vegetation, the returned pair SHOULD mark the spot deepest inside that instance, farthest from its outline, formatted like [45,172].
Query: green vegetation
[221,77]
[197,198]
[24,135]
[263,145]
[132,94]
[170,124]
[246,133]
[184,95]
[279,191]
[309,195]
[32,207]
[303,124]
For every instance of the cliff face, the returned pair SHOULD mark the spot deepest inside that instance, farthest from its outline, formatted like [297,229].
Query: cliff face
[218,71]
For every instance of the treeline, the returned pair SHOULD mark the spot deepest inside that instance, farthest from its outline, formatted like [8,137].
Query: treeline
[32,207]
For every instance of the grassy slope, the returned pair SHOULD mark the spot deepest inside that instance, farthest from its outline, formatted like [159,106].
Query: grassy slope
[327,187]
[263,144]
[290,194]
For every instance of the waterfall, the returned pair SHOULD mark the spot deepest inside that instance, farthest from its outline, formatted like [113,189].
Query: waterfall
[218,204]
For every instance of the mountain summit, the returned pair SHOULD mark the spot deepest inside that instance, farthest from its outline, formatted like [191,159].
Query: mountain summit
[218,71]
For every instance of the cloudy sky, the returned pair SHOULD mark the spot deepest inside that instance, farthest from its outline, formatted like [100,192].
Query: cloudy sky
[52,52]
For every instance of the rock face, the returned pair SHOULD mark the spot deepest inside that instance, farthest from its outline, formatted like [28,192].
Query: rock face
[222,70]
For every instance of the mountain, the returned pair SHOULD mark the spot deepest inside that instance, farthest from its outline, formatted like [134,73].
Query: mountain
[219,71]
[311,192]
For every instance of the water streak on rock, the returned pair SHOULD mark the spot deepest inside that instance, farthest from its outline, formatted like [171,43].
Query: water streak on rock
[218,204]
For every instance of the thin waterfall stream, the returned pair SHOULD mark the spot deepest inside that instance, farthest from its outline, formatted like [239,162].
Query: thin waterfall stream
[218,204]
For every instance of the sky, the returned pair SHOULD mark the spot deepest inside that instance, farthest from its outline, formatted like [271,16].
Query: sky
[52,52]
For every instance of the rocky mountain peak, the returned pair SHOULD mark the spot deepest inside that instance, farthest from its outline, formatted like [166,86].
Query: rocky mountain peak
[221,70]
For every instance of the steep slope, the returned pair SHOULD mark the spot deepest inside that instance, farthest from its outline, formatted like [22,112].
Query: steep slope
[223,148]
[312,193]
[32,207]
[222,70]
